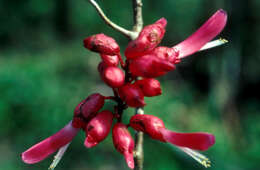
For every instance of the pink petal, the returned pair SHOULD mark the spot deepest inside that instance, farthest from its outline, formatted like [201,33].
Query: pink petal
[210,29]
[46,147]
[197,141]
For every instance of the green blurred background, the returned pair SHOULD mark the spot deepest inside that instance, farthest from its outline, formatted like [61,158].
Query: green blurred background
[45,72]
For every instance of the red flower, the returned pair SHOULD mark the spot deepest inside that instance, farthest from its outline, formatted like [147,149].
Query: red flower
[124,143]
[150,87]
[155,128]
[150,66]
[87,109]
[110,60]
[102,43]
[148,39]
[98,128]
[161,59]
[132,95]
[209,30]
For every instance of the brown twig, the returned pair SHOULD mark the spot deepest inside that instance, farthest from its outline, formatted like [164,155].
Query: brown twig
[127,33]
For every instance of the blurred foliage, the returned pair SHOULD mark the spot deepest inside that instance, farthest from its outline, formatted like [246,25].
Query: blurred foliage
[45,72]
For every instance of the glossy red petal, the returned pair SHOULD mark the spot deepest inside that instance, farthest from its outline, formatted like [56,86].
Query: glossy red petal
[48,146]
[198,141]
[210,29]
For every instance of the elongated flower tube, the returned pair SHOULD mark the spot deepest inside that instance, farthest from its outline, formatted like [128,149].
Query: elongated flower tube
[87,109]
[98,128]
[155,128]
[132,95]
[210,29]
[148,39]
[124,143]
[48,146]
[149,86]
[102,43]
[150,66]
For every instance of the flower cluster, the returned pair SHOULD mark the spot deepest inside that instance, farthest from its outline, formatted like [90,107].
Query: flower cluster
[145,59]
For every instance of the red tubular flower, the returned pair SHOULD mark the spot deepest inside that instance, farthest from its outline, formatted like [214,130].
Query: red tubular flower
[110,60]
[155,128]
[102,44]
[124,143]
[210,29]
[98,128]
[167,54]
[148,39]
[132,95]
[48,146]
[87,109]
[150,87]
[150,66]
[113,76]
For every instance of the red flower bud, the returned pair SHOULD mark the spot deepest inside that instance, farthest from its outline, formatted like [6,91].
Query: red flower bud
[101,67]
[148,39]
[110,60]
[98,128]
[167,54]
[87,109]
[155,128]
[124,143]
[150,66]
[132,95]
[150,87]
[102,44]
[113,76]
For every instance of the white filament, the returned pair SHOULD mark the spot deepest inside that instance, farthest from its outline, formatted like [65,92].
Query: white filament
[214,43]
[197,156]
[58,156]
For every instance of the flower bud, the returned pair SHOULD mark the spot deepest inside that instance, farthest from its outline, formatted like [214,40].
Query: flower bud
[155,128]
[167,54]
[150,66]
[132,95]
[147,40]
[124,143]
[87,109]
[149,86]
[98,128]
[110,60]
[113,76]
[101,43]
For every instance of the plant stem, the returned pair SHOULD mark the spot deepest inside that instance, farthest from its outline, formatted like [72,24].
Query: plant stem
[138,18]
[127,33]
[138,26]
[138,152]
[139,136]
